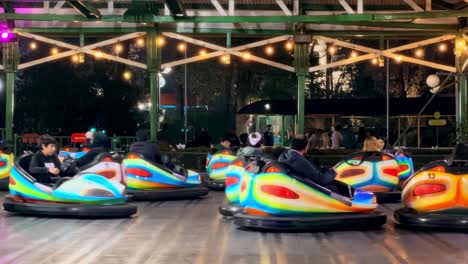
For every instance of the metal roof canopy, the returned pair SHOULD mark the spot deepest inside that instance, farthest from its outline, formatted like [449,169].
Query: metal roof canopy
[327,21]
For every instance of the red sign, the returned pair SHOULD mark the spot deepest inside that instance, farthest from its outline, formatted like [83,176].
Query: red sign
[78,138]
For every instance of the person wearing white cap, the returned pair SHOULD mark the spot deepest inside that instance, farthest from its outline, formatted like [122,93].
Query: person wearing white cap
[254,147]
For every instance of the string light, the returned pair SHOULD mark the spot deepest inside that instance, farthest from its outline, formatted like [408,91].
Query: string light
[127,75]
[118,48]
[353,54]
[98,54]
[398,59]
[246,55]
[140,42]
[202,53]
[75,58]
[289,45]
[419,53]
[33,45]
[375,61]
[269,50]
[332,50]
[226,59]
[181,47]
[443,47]
[160,41]
[54,51]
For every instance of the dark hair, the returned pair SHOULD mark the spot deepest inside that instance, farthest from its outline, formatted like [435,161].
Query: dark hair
[338,128]
[244,138]
[46,140]
[165,125]
[259,143]
[298,143]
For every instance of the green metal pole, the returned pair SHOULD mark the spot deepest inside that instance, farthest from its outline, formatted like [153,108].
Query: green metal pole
[462,105]
[153,57]
[301,64]
[10,63]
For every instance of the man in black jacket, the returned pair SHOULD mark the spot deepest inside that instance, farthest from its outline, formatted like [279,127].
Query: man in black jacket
[99,143]
[294,157]
[45,163]
[144,147]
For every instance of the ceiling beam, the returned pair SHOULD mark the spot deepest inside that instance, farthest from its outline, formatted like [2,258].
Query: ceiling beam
[175,7]
[85,9]
[283,7]
[413,5]
[218,7]
[346,6]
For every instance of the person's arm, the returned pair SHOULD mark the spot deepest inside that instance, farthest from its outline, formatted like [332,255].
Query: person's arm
[324,177]
[87,158]
[37,166]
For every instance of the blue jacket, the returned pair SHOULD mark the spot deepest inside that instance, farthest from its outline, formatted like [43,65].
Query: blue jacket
[303,167]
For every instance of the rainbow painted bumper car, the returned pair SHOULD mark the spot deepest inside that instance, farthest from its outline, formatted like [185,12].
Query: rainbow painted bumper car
[437,195]
[236,170]
[376,172]
[276,198]
[150,181]
[74,150]
[217,166]
[6,162]
[68,152]
[86,195]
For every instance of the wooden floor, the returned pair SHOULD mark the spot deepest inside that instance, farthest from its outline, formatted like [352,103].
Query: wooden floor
[193,232]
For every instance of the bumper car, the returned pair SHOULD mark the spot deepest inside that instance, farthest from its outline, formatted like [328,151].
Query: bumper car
[73,150]
[68,152]
[6,162]
[217,166]
[86,195]
[437,195]
[375,172]
[149,181]
[239,167]
[276,198]
[405,165]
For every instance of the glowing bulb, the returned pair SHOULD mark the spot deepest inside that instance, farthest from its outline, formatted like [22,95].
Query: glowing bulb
[98,54]
[202,53]
[419,52]
[353,54]
[398,59]
[33,45]
[181,47]
[269,50]
[289,45]
[140,42]
[160,41]
[332,50]
[246,55]
[75,58]
[118,48]
[375,61]
[226,59]
[443,47]
[54,51]
[127,75]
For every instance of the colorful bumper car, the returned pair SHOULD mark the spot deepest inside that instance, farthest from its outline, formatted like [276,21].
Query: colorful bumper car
[405,165]
[74,149]
[376,172]
[276,198]
[86,195]
[437,195]
[6,162]
[149,181]
[217,166]
[239,167]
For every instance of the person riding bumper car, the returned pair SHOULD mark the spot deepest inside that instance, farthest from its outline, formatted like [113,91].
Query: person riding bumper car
[276,198]
[86,195]
[150,181]
[376,172]
[437,195]
[217,166]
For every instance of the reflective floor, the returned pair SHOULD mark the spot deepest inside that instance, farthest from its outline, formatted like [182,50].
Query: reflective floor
[193,232]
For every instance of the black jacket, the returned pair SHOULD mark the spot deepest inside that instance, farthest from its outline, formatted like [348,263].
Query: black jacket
[302,166]
[148,150]
[99,145]
[38,168]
